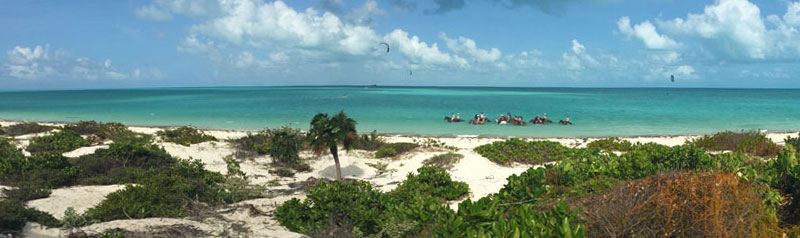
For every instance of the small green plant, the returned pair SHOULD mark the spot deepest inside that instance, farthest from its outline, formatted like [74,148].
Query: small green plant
[185,136]
[60,142]
[392,149]
[26,192]
[284,146]
[447,160]
[371,142]
[283,172]
[24,129]
[434,143]
[749,142]
[72,219]
[382,167]
[433,181]
[520,151]
[14,215]
[610,144]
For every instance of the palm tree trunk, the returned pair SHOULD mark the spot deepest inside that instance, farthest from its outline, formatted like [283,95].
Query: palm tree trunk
[334,152]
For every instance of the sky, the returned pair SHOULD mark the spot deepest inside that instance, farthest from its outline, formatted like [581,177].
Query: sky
[497,43]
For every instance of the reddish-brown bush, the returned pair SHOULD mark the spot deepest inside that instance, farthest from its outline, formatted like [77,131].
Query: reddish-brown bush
[688,204]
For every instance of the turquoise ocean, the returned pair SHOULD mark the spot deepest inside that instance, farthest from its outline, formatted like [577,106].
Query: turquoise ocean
[596,112]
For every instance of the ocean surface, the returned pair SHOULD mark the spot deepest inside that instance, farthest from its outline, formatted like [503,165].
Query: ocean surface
[420,111]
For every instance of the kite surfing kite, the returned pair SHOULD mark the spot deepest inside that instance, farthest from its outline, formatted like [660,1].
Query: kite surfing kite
[387,46]
[672,76]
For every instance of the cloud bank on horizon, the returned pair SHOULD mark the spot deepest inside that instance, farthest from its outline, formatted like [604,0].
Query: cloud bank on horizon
[724,43]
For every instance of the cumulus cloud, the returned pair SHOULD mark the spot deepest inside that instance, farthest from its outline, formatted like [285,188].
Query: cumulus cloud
[152,12]
[34,63]
[365,14]
[467,46]
[403,5]
[647,33]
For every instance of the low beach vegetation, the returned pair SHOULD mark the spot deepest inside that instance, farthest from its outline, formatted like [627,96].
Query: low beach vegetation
[393,149]
[446,160]
[24,129]
[284,146]
[794,141]
[749,142]
[370,142]
[526,152]
[98,132]
[185,136]
[610,144]
[58,142]
[14,214]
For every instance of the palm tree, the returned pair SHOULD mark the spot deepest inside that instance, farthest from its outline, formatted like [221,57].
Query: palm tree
[329,132]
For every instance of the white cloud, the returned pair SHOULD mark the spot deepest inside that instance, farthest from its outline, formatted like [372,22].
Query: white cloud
[151,12]
[647,33]
[418,52]
[730,27]
[685,70]
[27,63]
[37,63]
[577,47]
[468,47]
[792,16]
[364,15]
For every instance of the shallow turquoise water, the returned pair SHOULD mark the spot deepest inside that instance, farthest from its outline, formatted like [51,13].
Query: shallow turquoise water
[403,110]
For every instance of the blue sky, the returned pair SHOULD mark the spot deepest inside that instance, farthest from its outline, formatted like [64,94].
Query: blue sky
[525,43]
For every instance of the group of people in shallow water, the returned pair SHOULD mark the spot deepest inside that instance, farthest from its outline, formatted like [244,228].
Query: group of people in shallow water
[480,119]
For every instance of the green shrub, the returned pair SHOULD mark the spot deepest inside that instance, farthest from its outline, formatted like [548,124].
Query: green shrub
[446,161]
[284,146]
[384,152]
[125,155]
[169,193]
[794,141]
[185,136]
[26,193]
[24,129]
[99,132]
[252,145]
[371,142]
[45,169]
[520,151]
[283,172]
[14,215]
[60,142]
[392,149]
[433,181]
[610,144]
[749,142]
[73,219]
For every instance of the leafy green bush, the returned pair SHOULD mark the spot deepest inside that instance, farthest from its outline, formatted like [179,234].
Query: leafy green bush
[99,132]
[392,149]
[45,169]
[120,161]
[520,151]
[252,145]
[284,146]
[24,129]
[60,142]
[26,193]
[384,152]
[14,215]
[72,219]
[794,141]
[433,181]
[185,136]
[447,160]
[169,193]
[749,142]
[371,142]
[610,144]
[283,172]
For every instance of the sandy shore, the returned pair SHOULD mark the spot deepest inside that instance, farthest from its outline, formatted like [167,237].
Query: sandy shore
[483,176]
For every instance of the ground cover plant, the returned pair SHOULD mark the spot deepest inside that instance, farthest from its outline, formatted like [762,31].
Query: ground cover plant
[526,152]
[370,142]
[98,132]
[14,215]
[446,160]
[393,149]
[185,136]
[58,142]
[24,129]
[750,142]
[610,144]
